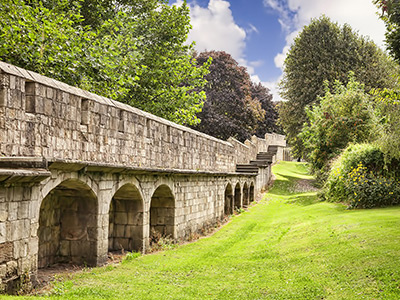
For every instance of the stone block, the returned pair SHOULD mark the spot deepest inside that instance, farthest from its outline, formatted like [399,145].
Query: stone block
[33,246]
[20,249]
[3,212]
[12,211]
[3,270]
[121,218]
[119,230]
[3,233]
[48,107]
[23,210]
[49,93]
[65,248]
[17,228]
[11,268]
[6,251]
[4,96]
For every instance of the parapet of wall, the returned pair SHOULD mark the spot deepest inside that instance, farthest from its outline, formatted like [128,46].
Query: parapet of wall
[275,139]
[47,118]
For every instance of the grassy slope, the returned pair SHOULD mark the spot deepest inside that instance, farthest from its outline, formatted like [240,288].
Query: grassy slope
[289,246]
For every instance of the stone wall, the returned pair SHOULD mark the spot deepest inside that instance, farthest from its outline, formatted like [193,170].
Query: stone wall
[81,175]
[46,118]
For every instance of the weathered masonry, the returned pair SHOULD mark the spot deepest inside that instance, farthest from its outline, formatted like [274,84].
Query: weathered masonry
[82,175]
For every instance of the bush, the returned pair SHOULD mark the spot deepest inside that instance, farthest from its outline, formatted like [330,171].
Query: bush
[370,190]
[360,178]
[342,117]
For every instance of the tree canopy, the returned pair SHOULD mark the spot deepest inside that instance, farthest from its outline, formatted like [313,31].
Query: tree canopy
[268,124]
[235,107]
[133,51]
[391,16]
[326,51]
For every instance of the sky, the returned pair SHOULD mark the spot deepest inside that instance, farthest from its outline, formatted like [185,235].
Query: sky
[258,33]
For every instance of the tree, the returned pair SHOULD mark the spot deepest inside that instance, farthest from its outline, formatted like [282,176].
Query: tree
[387,131]
[391,16]
[326,51]
[133,51]
[269,123]
[230,110]
[343,116]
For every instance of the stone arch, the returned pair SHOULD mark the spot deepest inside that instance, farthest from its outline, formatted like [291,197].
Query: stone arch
[162,213]
[246,194]
[125,231]
[68,225]
[238,196]
[228,202]
[251,192]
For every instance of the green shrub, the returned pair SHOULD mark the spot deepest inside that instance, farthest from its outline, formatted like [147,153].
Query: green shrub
[360,178]
[370,190]
[341,117]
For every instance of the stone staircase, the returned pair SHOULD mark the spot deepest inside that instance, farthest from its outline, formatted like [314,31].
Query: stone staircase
[263,159]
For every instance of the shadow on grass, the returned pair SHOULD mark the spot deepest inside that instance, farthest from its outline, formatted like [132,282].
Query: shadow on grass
[288,185]
[304,199]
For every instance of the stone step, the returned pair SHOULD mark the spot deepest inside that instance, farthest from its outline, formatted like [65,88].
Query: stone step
[246,168]
[273,149]
[260,163]
[265,156]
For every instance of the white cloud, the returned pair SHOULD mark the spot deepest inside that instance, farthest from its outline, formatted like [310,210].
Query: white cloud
[273,87]
[252,29]
[215,29]
[294,14]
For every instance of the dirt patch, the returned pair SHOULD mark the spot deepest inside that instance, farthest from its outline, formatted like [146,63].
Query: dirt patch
[46,276]
[305,186]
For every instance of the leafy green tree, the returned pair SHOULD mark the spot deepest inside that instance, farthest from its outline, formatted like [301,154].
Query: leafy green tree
[343,116]
[326,51]
[133,51]
[230,110]
[391,16]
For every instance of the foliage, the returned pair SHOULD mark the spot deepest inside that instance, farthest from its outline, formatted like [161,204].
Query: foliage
[230,110]
[391,16]
[133,51]
[342,117]
[360,178]
[371,190]
[388,126]
[131,256]
[269,124]
[326,51]
[171,81]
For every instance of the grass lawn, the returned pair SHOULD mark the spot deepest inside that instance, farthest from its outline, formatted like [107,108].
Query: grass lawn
[289,246]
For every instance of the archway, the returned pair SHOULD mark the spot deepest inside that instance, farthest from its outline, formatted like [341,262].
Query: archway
[238,197]
[228,207]
[245,194]
[125,231]
[68,225]
[162,214]
[251,193]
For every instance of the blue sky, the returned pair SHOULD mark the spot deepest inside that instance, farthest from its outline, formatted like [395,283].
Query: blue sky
[258,33]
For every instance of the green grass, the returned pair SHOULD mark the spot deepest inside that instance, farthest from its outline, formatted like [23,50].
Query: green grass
[289,246]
